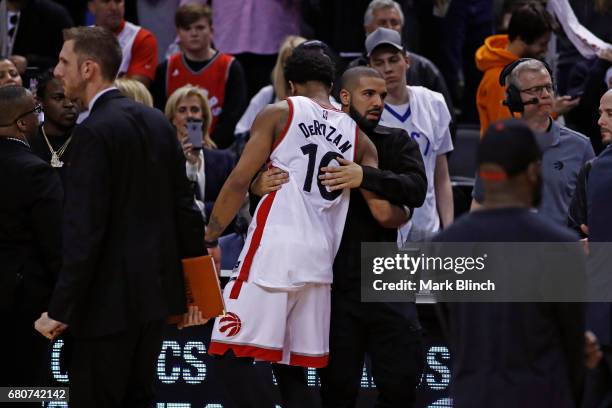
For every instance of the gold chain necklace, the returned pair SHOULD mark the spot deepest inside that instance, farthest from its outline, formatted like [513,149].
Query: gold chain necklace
[56,155]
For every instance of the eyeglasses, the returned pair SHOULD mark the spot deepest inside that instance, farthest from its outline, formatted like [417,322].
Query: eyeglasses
[537,90]
[38,109]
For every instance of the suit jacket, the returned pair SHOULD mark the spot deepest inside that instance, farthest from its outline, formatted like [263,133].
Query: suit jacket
[130,218]
[30,228]
[599,196]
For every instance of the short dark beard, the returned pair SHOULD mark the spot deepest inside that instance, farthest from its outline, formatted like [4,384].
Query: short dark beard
[362,122]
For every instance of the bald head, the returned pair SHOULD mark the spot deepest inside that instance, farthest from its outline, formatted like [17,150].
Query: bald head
[605,118]
[351,77]
[14,100]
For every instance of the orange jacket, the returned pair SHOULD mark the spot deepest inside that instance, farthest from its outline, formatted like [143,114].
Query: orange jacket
[491,58]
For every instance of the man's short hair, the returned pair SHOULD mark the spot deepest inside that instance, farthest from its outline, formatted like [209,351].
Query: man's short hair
[351,76]
[532,65]
[12,99]
[42,80]
[368,17]
[309,64]
[99,45]
[530,22]
[188,14]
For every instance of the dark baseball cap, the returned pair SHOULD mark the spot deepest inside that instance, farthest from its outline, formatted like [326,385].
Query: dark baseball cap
[315,45]
[512,145]
[383,36]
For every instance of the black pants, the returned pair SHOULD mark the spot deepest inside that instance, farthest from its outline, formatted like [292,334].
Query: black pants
[293,387]
[391,338]
[116,370]
[24,353]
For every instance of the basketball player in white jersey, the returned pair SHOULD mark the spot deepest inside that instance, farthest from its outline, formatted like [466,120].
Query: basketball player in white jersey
[424,115]
[279,297]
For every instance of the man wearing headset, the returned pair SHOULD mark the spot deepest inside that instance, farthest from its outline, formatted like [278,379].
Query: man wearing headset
[530,94]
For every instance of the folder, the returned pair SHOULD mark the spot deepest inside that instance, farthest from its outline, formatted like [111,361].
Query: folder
[202,288]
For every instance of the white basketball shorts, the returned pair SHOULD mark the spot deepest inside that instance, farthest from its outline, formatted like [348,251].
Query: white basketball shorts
[280,326]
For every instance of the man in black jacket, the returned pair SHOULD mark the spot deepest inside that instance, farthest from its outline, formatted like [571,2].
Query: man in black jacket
[577,213]
[130,218]
[34,32]
[30,236]
[388,332]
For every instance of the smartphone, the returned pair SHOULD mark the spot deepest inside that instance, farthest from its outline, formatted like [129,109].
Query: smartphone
[194,132]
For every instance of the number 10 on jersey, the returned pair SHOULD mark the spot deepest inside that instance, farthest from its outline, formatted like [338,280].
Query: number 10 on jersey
[311,151]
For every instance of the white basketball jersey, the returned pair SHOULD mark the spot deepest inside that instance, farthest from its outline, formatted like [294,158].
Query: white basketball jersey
[296,231]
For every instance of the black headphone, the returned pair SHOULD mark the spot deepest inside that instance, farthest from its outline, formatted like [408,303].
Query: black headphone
[513,95]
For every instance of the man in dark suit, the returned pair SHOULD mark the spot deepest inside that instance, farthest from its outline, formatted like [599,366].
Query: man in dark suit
[598,194]
[30,236]
[130,218]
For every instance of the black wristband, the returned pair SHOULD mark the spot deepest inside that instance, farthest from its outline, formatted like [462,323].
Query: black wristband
[211,244]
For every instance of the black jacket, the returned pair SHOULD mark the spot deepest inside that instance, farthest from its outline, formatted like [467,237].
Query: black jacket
[39,36]
[400,178]
[30,228]
[130,217]
[577,211]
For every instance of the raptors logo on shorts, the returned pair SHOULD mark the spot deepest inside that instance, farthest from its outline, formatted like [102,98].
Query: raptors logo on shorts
[230,324]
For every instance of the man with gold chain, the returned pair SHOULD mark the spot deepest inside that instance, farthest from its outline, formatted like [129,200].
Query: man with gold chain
[52,141]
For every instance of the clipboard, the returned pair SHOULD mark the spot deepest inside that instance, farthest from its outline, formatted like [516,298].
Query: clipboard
[202,288]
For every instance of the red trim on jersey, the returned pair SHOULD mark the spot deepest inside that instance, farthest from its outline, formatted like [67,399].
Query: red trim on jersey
[325,107]
[308,361]
[493,175]
[262,215]
[120,28]
[286,129]
[356,142]
[241,350]
[212,78]
[144,55]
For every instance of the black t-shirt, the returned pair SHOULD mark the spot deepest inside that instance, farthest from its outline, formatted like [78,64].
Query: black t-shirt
[505,225]
[522,354]
[39,147]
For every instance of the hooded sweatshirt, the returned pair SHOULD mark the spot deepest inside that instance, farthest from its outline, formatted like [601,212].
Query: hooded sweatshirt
[491,58]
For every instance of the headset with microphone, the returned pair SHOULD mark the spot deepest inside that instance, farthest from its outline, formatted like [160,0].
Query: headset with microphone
[513,100]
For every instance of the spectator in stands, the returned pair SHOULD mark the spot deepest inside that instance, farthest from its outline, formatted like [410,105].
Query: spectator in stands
[422,72]
[220,75]
[134,90]
[530,92]
[462,25]
[263,25]
[9,75]
[138,45]
[425,117]
[31,31]
[528,35]
[277,91]
[207,168]
[53,140]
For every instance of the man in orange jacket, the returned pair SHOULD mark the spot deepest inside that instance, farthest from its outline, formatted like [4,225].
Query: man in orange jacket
[528,35]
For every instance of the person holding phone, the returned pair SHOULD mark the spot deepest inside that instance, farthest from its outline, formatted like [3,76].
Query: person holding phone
[207,168]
